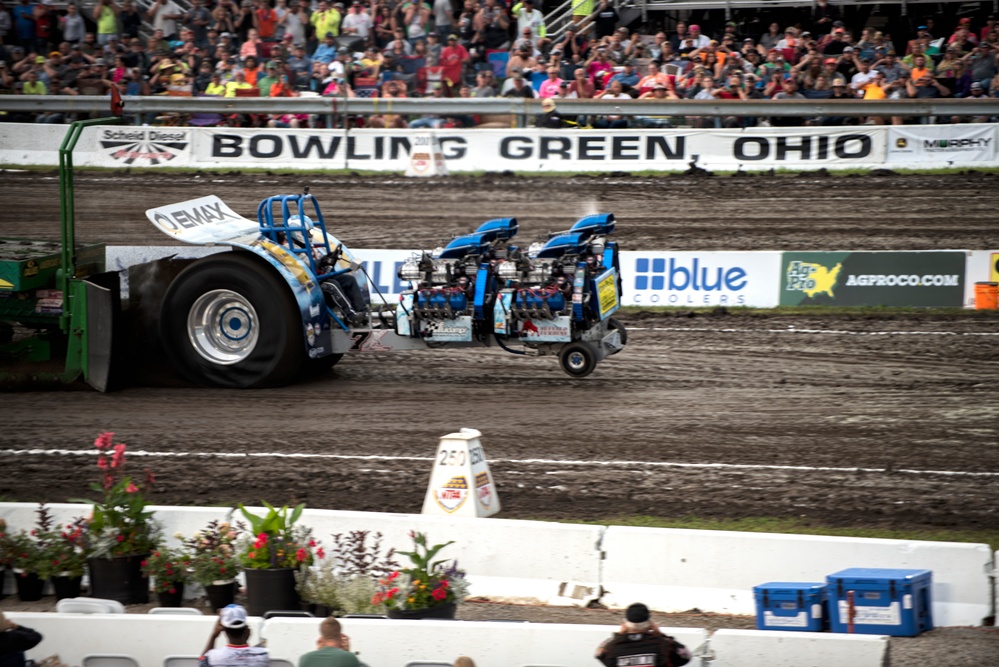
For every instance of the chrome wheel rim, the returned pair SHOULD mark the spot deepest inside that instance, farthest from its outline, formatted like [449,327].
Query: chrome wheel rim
[222,326]
[577,360]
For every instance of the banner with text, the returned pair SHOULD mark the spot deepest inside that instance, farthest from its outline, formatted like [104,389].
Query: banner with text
[982,267]
[942,144]
[873,278]
[698,279]
[521,150]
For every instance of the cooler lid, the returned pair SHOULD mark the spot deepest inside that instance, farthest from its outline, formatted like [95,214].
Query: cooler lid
[875,574]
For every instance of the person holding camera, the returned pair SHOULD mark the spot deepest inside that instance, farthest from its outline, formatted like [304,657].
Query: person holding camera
[640,642]
[14,641]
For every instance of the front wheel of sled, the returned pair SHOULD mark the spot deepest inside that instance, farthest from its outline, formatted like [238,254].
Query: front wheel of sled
[578,359]
[230,321]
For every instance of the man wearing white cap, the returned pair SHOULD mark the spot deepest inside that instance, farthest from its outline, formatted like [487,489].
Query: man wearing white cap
[237,652]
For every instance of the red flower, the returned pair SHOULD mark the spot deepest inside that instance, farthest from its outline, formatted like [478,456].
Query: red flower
[103,440]
[252,554]
[143,563]
[118,459]
[312,543]
[393,576]
[121,538]
[222,570]
[301,555]
[320,552]
[439,594]
[172,591]
[102,462]
[131,488]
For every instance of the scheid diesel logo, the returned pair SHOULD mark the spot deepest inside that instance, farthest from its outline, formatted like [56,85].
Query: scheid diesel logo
[154,145]
[688,281]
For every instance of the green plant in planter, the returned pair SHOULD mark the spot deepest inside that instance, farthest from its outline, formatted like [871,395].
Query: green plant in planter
[426,583]
[170,567]
[213,553]
[66,550]
[275,541]
[346,579]
[30,552]
[120,524]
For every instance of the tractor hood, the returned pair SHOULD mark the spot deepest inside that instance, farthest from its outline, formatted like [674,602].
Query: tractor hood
[203,221]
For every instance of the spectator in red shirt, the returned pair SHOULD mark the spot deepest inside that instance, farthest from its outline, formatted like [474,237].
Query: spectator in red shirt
[265,20]
[453,59]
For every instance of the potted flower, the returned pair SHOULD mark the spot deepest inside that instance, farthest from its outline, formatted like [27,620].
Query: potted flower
[345,580]
[27,552]
[270,553]
[121,532]
[426,589]
[169,569]
[214,561]
[66,553]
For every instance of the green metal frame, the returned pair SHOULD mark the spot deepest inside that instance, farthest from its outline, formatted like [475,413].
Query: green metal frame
[73,320]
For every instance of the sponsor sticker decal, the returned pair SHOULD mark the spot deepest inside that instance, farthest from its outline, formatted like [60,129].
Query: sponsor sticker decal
[453,494]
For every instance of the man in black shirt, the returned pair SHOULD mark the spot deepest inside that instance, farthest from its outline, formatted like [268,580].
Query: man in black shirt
[14,641]
[640,643]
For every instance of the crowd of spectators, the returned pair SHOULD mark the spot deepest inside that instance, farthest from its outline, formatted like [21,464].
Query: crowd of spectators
[468,48]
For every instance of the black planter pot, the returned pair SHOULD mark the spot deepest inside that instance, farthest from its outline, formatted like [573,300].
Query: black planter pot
[3,581]
[119,578]
[270,590]
[175,599]
[439,611]
[29,586]
[66,587]
[319,610]
[220,595]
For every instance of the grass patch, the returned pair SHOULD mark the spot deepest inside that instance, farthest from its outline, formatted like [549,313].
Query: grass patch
[836,311]
[798,527]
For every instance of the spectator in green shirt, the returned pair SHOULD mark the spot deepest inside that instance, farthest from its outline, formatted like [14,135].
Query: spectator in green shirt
[333,648]
[32,86]
[264,83]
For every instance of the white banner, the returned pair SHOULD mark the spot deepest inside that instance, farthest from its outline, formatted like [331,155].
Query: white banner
[528,150]
[942,144]
[535,150]
[981,266]
[382,267]
[698,279]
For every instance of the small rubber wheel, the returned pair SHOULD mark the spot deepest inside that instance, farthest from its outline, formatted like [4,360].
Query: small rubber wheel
[230,320]
[578,359]
[615,325]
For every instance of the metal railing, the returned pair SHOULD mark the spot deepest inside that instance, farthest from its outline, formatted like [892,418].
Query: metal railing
[99,105]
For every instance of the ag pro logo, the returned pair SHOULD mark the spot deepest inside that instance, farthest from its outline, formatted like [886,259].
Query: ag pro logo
[812,278]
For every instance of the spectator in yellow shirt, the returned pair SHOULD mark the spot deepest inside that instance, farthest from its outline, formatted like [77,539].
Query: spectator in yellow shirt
[325,19]
[216,87]
[239,83]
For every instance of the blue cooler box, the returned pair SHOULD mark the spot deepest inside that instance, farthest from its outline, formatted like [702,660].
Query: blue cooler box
[886,602]
[790,605]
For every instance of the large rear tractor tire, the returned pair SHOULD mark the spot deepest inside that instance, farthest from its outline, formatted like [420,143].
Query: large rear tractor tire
[230,321]
[578,359]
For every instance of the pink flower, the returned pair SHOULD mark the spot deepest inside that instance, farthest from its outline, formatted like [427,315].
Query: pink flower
[143,563]
[121,538]
[252,554]
[118,458]
[102,462]
[172,591]
[131,488]
[103,441]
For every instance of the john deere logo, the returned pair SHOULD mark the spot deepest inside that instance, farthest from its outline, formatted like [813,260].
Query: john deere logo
[156,146]
[901,142]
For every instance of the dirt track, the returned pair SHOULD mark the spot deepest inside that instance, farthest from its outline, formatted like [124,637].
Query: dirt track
[756,396]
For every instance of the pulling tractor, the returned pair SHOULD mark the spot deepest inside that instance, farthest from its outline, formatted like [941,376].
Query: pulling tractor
[290,294]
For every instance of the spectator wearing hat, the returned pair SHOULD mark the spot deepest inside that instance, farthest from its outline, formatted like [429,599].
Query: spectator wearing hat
[14,641]
[326,52]
[454,58]
[836,44]
[232,622]
[700,39]
[484,84]
[599,67]
[271,75]
[640,641]
[983,63]
[357,22]
[520,88]
[628,77]
[332,648]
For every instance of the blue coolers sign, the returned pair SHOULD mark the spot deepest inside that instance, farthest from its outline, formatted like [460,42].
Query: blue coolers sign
[698,279]
[941,144]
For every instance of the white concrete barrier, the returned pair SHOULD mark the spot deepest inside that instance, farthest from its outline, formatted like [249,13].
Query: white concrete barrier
[506,560]
[767,648]
[380,642]
[668,569]
[675,570]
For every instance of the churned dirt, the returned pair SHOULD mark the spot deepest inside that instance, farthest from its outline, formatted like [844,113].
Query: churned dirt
[877,420]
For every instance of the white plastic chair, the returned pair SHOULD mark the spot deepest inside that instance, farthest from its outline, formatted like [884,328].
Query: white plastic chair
[89,606]
[180,661]
[424,663]
[180,611]
[109,661]
[278,662]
